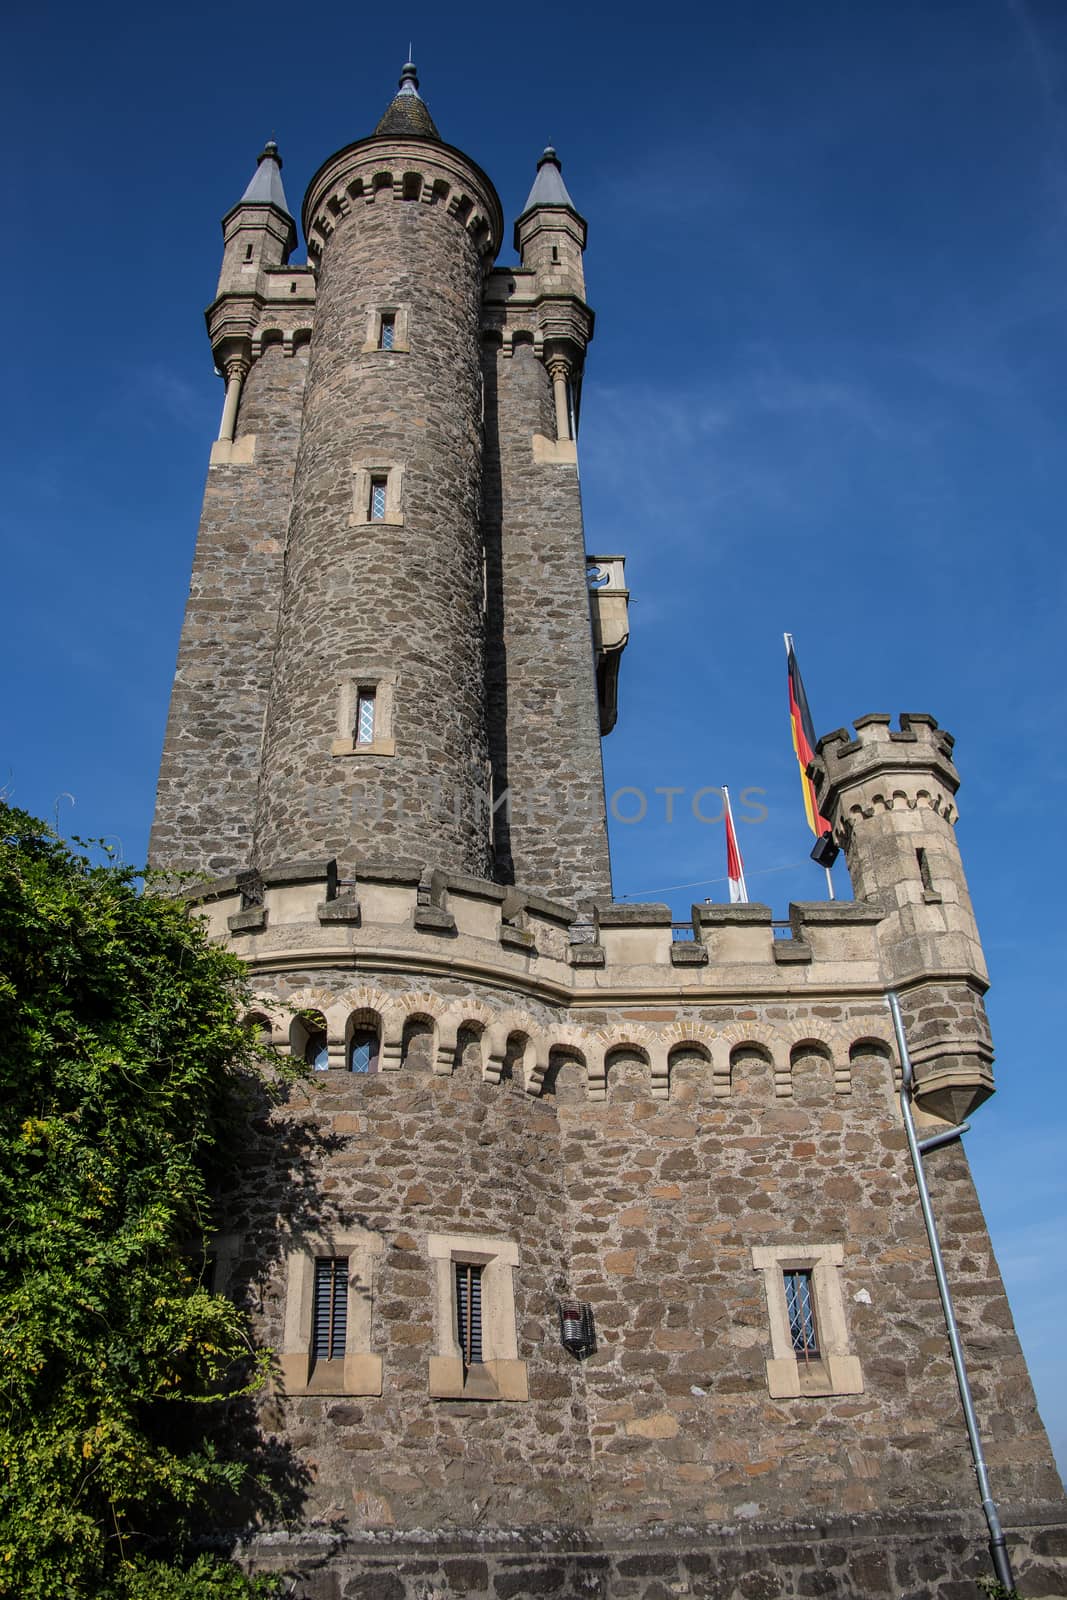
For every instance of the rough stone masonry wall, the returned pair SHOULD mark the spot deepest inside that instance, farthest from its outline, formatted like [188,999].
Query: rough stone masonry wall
[361,595]
[920,1557]
[544,724]
[649,1210]
[206,799]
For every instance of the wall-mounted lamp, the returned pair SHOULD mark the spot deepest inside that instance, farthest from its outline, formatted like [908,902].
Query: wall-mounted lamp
[576,1331]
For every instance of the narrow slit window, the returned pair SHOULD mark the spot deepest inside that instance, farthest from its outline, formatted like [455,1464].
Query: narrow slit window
[330,1312]
[378,486]
[363,1051]
[248,252]
[364,729]
[387,330]
[555,252]
[924,871]
[800,1305]
[469,1311]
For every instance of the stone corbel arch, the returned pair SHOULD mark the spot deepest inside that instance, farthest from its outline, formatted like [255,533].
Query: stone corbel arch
[504,1029]
[640,1040]
[697,1038]
[739,1034]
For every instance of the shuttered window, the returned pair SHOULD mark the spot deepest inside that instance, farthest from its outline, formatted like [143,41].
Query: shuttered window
[330,1314]
[469,1310]
[800,1304]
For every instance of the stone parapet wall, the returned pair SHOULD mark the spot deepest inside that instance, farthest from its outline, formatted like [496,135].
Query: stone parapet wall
[917,1557]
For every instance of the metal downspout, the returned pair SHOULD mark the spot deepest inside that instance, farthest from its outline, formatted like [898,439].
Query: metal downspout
[998,1548]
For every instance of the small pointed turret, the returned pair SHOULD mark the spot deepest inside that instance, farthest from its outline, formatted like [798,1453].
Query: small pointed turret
[266,188]
[549,188]
[259,231]
[550,232]
[407,116]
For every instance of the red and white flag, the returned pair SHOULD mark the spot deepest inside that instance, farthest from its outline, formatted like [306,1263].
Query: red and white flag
[735,867]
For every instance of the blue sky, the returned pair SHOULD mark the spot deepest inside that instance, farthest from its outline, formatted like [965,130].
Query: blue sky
[827,393]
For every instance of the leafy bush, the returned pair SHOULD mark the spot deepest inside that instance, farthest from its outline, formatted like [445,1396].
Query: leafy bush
[121,1052]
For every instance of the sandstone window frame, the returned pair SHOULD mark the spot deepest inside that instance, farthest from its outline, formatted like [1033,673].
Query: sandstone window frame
[837,1370]
[501,1375]
[360,1370]
[364,473]
[357,680]
[401,345]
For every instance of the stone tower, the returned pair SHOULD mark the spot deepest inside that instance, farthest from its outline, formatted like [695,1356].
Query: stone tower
[590,1253]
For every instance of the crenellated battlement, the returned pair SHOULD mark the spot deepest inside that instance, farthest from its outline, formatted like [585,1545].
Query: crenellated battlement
[880,766]
[371,172]
[404,917]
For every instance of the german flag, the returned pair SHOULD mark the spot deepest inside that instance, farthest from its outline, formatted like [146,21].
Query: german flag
[803,740]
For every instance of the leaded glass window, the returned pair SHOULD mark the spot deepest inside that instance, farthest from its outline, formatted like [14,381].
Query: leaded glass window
[365,717]
[377,499]
[363,1051]
[800,1305]
[330,1311]
[387,332]
[315,1052]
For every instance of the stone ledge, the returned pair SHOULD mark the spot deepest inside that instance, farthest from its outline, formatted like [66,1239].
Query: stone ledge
[587,955]
[250,921]
[431,919]
[301,872]
[649,914]
[234,452]
[688,953]
[344,909]
[791,952]
[517,939]
[724,916]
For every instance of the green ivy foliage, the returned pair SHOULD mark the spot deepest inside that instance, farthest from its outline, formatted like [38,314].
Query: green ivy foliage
[122,1058]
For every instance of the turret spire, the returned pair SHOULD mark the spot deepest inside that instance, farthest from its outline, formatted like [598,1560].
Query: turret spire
[549,188]
[407,116]
[266,188]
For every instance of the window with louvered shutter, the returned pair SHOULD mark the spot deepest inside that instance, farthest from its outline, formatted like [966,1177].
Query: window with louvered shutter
[469,1310]
[330,1314]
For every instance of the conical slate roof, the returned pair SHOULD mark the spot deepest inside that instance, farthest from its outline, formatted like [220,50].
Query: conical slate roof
[406,116]
[549,188]
[266,187]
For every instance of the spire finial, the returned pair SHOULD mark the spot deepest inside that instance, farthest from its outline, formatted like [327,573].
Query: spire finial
[409,75]
[269,152]
[548,154]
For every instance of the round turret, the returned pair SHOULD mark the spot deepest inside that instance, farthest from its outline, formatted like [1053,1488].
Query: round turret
[376,746]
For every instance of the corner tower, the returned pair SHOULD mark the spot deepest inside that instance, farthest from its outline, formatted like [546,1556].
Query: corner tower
[889,795]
